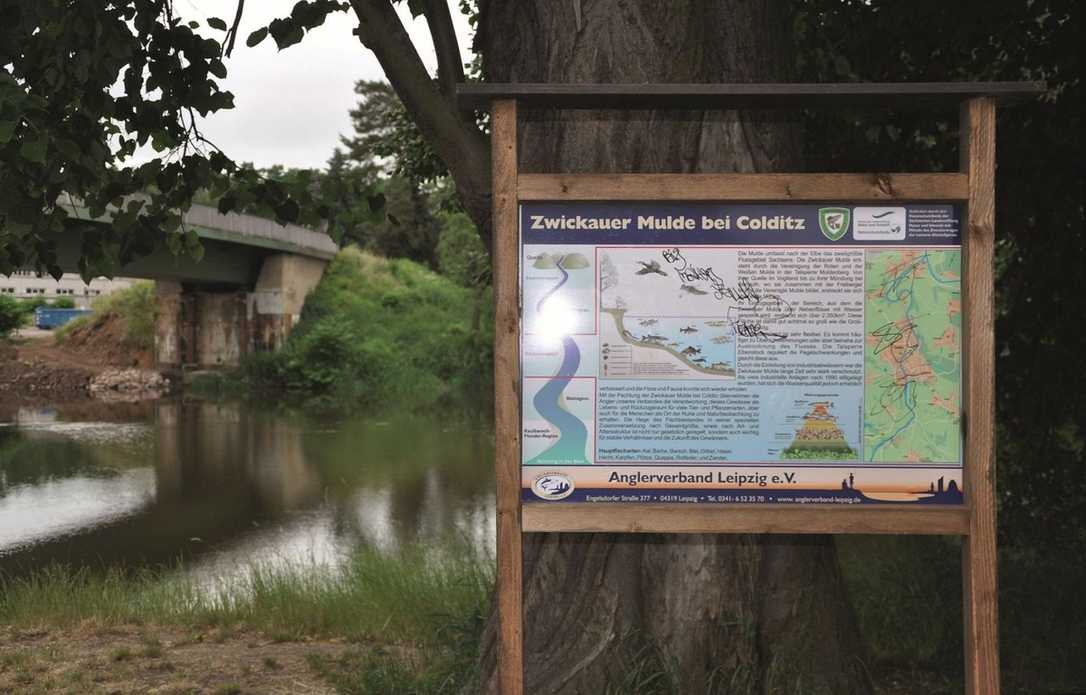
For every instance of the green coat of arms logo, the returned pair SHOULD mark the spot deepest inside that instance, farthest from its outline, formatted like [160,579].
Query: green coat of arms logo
[834,222]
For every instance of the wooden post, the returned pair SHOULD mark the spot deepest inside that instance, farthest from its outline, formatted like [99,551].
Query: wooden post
[507,458]
[979,546]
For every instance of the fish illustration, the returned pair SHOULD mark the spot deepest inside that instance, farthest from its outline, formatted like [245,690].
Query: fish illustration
[650,267]
[690,289]
[721,339]
[688,329]
[648,322]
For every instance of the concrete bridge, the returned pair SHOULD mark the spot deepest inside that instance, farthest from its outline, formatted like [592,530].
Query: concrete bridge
[244,295]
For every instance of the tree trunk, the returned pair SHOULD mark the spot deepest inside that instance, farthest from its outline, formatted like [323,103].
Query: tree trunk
[607,612]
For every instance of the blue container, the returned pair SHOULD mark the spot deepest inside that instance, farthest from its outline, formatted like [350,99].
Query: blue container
[54,318]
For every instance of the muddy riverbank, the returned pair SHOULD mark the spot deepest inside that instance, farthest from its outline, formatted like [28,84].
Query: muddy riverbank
[35,369]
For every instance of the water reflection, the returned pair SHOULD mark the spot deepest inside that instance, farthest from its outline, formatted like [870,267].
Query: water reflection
[224,485]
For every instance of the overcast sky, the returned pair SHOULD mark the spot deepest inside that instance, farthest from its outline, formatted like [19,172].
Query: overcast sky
[290,107]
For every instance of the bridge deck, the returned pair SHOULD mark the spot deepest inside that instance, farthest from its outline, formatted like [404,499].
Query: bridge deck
[235,246]
[250,230]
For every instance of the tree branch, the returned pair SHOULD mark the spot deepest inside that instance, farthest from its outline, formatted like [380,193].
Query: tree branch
[234,28]
[450,67]
[455,139]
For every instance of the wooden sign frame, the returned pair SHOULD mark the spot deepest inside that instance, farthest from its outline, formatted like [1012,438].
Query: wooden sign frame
[973,186]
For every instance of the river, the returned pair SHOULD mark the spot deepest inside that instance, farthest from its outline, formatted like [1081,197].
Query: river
[220,487]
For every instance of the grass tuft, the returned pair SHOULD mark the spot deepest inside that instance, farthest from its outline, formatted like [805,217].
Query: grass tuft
[408,596]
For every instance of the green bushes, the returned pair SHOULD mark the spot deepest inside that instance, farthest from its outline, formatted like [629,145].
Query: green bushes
[11,315]
[136,305]
[15,313]
[461,255]
[29,304]
[379,332]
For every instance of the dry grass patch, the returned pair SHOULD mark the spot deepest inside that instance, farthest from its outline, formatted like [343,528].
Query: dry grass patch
[163,660]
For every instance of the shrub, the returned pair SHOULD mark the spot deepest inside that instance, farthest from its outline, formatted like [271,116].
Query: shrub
[461,255]
[30,304]
[12,315]
[378,331]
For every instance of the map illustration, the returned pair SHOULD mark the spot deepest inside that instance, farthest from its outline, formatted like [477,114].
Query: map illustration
[912,356]
[556,318]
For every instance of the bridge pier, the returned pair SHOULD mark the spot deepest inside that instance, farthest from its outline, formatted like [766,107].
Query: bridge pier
[208,326]
[276,302]
[174,326]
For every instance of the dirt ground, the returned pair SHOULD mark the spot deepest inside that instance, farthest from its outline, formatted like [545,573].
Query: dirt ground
[33,368]
[174,661]
[102,342]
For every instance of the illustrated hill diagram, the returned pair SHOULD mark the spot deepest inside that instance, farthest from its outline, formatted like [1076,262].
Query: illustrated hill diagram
[569,261]
[819,437]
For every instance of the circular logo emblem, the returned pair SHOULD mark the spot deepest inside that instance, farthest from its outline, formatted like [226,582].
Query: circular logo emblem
[552,486]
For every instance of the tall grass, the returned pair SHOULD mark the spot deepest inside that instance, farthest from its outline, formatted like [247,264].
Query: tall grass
[417,614]
[411,596]
[136,305]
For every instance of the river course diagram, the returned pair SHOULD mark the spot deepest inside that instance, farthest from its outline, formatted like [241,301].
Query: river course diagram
[549,401]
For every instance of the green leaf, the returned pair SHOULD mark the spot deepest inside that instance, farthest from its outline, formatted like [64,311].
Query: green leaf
[192,243]
[256,37]
[217,68]
[7,129]
[216,23]
[174,243]
[34,150]
[85,271]
[286,32]
[161,140]
[171,222]
[288,211]
[69,149]
[227,203]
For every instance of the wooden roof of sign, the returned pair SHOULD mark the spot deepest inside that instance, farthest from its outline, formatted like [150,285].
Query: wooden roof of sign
[745,96]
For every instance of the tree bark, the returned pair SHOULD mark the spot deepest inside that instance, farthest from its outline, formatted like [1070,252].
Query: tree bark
[603,612]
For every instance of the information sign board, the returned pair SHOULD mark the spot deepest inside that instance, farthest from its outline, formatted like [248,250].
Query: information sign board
[708,353]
